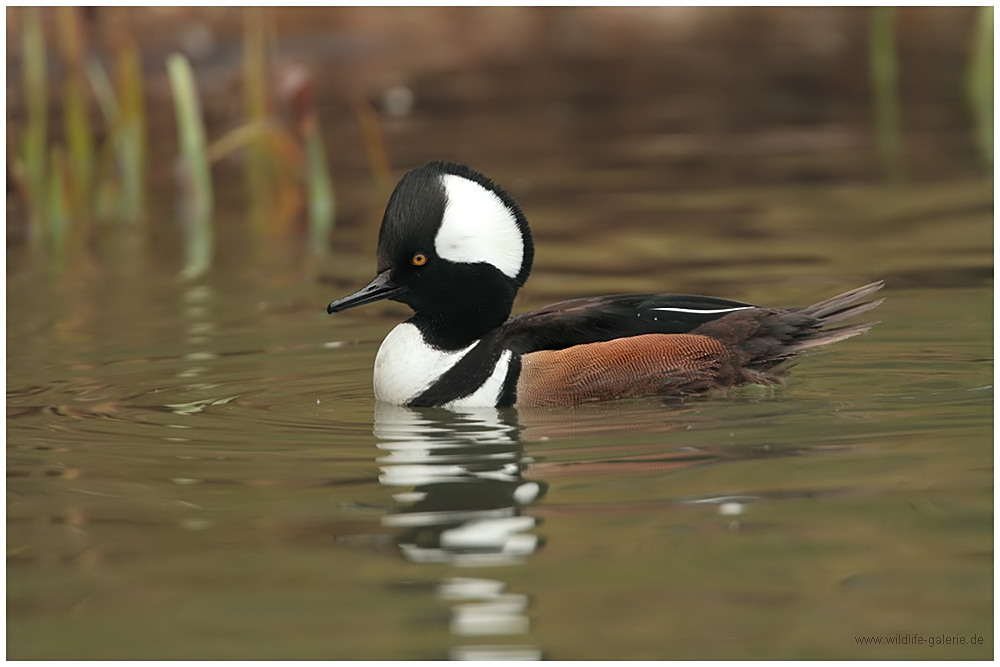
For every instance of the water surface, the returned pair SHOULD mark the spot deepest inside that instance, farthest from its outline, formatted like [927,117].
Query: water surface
[199,470]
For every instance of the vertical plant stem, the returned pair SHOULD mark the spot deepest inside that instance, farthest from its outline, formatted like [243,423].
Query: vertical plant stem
[126,119]
[885,86]
[256,109]
[371,135]
[57,208]
[131,141]
[196,177]
[37,108]
[79,136]
[320,191]
[979,84]
[107,202]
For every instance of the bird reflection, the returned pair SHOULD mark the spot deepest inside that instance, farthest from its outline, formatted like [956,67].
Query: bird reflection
[467,498]
[462,502]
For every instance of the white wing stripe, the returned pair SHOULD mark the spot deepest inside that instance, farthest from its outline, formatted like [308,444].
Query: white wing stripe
[708,310]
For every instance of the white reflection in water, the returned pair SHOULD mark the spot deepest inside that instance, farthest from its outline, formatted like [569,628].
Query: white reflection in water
[464,506]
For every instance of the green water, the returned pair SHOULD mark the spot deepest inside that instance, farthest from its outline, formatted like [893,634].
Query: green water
[200,471]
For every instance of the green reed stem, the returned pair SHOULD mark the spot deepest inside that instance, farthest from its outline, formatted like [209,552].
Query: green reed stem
[320,191]
[885,86]
[256,110]
[57,209]
[76,119]
[125,116]
[979,83]
[107,194]
[196,179]
[236,139]
[36,99]
[374,143]
[130,141]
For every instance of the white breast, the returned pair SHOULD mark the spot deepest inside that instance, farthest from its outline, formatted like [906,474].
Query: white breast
[406,365]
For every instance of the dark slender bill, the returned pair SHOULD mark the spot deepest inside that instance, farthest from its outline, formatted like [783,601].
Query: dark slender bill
[380,288]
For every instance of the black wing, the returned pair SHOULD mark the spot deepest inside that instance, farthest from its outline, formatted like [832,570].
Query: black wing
[602,318]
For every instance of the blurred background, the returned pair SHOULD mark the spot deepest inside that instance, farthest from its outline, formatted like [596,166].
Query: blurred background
[196,467]
[292,122]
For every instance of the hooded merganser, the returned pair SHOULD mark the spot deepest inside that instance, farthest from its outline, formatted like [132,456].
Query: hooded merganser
[455,247]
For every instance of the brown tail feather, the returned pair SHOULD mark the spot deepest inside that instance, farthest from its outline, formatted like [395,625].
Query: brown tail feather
[833,305]
[767,338]
[833,310]
[835,335]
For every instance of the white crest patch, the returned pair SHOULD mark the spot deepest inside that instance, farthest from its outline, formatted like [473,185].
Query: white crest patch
[478,227]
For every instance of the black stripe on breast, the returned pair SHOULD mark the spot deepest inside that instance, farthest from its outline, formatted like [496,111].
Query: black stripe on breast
[508,393]
[465,377]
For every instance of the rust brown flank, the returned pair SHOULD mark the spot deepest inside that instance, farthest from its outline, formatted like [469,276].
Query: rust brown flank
[646,365]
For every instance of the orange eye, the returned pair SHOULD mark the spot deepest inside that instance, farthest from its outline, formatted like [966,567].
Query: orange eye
[419,259]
